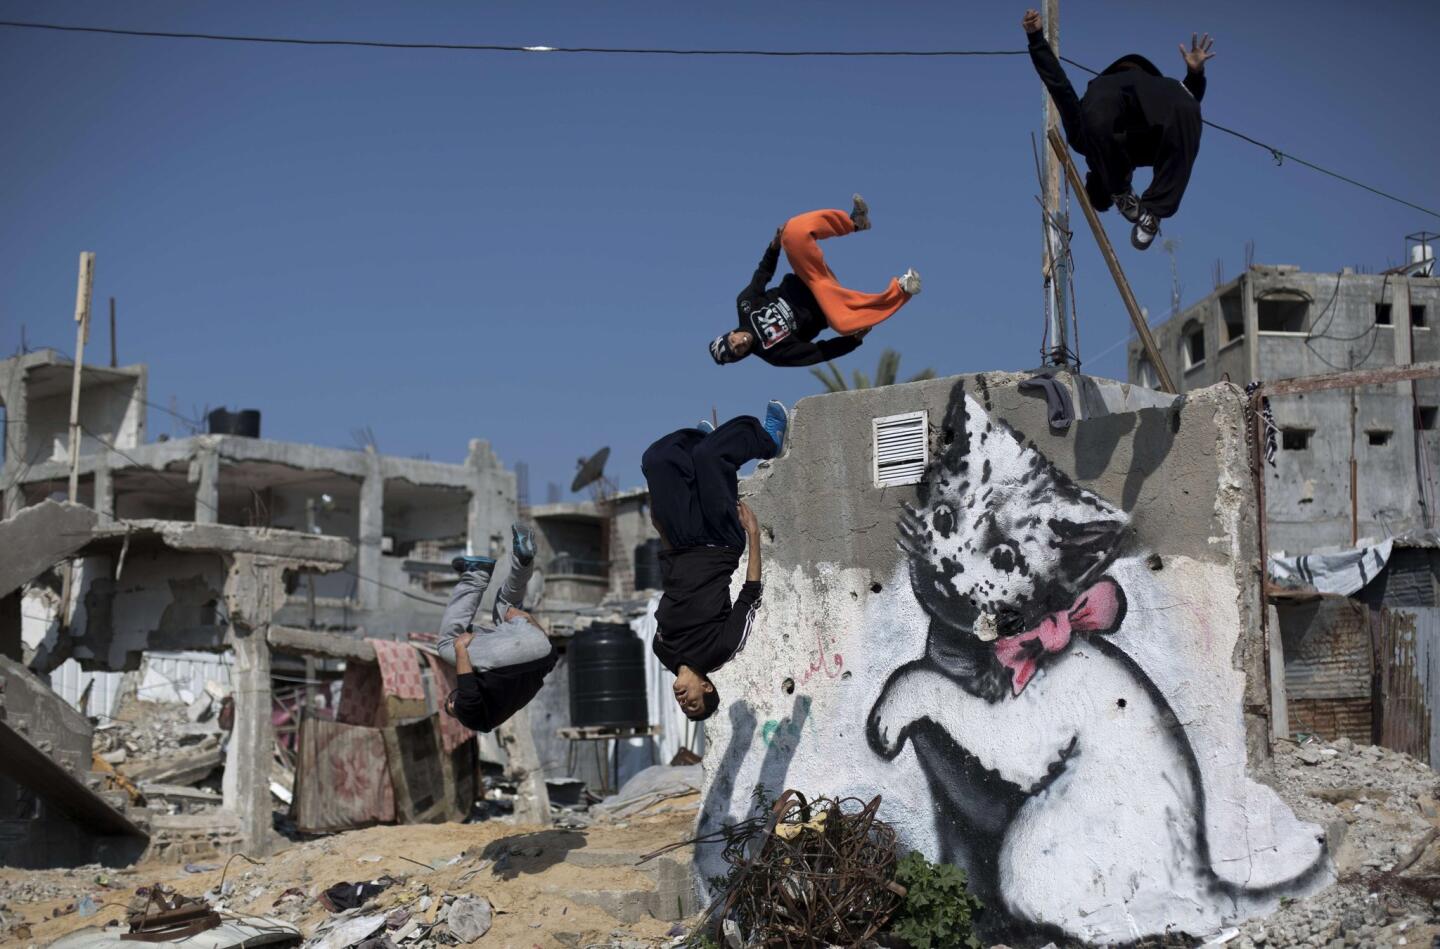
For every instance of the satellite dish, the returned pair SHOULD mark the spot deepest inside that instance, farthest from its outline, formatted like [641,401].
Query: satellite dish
[591,469]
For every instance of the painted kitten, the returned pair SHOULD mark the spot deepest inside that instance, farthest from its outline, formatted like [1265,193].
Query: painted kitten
[1069,789]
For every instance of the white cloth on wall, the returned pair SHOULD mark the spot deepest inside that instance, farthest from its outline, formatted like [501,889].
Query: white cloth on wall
[675,729]
[1343,572]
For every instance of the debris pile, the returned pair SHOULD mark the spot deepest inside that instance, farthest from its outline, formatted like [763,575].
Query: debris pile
[808,871]
[1381,812]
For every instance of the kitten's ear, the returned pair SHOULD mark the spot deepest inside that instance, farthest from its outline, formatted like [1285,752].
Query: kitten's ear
[955,435]
[1098,532]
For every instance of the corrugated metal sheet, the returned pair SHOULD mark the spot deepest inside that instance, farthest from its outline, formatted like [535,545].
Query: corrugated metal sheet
[69,682]
[1425,642]
[1327,649]
[1409,578]
[1404,712]
[180,676]
[1332,718]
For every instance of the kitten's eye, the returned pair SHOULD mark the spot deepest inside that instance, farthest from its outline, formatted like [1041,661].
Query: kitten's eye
[944,520]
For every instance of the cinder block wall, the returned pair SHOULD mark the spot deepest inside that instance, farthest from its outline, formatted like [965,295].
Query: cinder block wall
[1046,656]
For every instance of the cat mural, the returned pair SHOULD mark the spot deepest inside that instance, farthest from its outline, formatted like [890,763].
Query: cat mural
[1064,781]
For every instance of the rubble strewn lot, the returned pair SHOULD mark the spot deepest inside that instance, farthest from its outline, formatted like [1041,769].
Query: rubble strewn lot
[1382,811]
[546,887]
[572,886]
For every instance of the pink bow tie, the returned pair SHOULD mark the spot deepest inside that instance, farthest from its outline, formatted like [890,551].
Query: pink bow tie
[1096,610]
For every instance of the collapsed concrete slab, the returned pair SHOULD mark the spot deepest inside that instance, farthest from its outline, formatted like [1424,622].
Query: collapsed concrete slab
[49,816]
[38,537]
[1042,647]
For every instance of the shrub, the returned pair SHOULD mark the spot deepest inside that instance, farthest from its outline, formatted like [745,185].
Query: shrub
[938,910]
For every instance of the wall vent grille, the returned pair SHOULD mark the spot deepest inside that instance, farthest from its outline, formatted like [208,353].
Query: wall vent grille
[901,449]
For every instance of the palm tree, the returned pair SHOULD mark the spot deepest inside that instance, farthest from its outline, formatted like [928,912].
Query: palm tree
[886,371]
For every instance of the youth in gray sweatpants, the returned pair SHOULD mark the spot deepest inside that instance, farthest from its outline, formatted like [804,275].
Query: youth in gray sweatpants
[507,642]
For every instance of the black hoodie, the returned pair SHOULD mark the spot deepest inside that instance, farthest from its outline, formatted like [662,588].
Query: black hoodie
[697,624]
[1135,129]
[786,319]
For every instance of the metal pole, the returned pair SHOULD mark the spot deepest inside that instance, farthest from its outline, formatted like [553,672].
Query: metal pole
[1054,261]
[1152,352]
[113,361]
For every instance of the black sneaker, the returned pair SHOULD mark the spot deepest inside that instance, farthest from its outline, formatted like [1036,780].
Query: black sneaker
[1142,235]
[464,565]
[1128,205]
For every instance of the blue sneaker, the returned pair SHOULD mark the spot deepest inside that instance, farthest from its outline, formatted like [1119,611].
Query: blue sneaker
[522,544]
[777,419]
[705,425]
[472,564]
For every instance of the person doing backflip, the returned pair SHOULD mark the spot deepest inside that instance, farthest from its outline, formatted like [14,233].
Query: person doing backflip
[499,668]
[704,526]
[1130,117]
[780,323]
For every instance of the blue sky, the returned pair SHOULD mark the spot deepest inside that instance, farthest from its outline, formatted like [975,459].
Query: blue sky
[535,249]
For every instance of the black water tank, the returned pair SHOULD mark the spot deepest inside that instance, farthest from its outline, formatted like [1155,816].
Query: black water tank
[607,677]
[245,422]
[647,565]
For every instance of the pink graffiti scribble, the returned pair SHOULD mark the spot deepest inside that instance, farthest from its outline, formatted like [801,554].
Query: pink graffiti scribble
[822,659]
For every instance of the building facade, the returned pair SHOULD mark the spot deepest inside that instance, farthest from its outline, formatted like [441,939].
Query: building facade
[1277,322]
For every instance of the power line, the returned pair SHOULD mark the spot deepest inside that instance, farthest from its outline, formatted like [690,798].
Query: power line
[1276,153]
[501,48]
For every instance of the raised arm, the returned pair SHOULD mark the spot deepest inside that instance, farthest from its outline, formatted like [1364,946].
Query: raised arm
[766,271]
[1053,75]
[737,624]
[1195,57]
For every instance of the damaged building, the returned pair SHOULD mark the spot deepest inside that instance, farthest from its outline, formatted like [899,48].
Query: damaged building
[259,585]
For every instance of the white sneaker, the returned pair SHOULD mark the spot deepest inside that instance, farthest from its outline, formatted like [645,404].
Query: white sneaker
[910,281]
[860,215]
[1142,235]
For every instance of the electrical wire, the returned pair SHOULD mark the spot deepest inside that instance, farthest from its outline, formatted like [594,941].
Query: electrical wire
[1275,152]
[506,48]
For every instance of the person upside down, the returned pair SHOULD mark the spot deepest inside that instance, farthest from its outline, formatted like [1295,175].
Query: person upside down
[703,528]
[1130,117]
[499,668]
[780,323]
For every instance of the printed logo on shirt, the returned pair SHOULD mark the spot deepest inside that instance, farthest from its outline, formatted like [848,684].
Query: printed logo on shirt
[774,323]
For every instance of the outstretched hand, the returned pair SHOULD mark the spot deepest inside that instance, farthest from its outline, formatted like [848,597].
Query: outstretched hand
[1032,22]
[1198,53]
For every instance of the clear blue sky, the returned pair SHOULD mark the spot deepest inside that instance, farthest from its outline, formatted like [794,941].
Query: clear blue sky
[535,249]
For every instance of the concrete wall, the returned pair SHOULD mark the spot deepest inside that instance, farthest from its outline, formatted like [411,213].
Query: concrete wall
[1091,774]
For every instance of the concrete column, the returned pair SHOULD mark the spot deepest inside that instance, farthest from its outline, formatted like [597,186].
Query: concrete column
[532,804]
[104,486]
[1252,326]
[17,445]
[205,475]
[1404,442]
[372,521]
[492,498]
[252,587]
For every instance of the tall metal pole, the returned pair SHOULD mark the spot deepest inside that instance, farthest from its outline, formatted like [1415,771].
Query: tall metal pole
[1055,260]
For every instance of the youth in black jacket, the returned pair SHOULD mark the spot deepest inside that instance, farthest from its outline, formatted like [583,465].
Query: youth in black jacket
[1130,117]
[782,321]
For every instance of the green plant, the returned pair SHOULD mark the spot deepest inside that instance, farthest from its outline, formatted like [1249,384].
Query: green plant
[939,910]
[887,372]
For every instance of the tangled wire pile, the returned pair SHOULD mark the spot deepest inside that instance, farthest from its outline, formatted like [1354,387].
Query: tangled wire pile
[809,873]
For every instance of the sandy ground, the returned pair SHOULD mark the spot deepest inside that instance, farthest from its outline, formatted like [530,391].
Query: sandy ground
[523,887]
